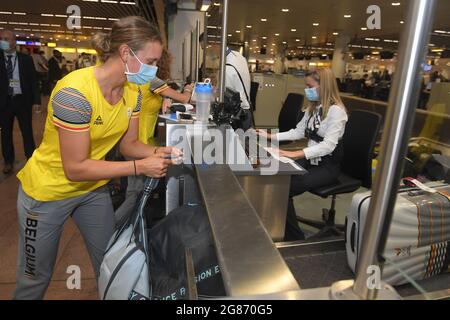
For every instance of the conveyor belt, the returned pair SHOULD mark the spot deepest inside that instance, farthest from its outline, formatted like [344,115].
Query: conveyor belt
[320,264]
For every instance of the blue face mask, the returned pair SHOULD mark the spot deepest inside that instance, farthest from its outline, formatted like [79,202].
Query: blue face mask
[4,45]
[311,94]
[145,74]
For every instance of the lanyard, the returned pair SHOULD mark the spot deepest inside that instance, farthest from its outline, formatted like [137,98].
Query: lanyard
[15,63]
[316,115]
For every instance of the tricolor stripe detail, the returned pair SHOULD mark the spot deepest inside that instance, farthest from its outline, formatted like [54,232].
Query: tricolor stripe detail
[160,89]
[70,127]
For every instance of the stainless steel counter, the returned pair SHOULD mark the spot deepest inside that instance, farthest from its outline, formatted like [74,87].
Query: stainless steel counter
[249,260]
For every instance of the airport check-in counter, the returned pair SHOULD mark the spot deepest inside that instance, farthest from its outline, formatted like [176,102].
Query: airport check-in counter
[264,180]
[254,265]
[247,210]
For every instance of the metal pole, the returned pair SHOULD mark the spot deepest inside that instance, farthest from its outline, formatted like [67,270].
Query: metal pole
[192,65]
[397,130]
[205,46]
[183,60]
[197,50]
[223,57]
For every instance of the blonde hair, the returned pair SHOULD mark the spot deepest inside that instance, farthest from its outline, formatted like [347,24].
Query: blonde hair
[133,31]
[328,91]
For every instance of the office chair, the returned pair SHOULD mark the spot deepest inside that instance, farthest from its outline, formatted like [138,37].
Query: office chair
[356,168]
[340,85]
[291,113]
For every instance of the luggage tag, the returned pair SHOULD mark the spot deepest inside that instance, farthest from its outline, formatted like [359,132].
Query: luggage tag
[415,183]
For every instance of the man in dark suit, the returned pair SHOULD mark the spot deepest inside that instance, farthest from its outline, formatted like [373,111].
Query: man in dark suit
[54,70]
[18,93]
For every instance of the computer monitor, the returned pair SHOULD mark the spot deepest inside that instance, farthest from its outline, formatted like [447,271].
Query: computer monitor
[358,55]
[387,55]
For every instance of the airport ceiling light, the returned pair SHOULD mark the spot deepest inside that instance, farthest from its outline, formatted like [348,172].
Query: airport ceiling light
[203,5]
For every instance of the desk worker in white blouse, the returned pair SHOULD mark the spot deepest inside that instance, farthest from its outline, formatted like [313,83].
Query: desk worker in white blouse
[323,125]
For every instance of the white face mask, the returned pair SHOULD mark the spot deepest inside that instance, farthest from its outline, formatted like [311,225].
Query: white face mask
[145,74]
[4,45]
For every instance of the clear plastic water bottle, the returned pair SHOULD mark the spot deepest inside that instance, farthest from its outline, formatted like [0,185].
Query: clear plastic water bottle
[203,96]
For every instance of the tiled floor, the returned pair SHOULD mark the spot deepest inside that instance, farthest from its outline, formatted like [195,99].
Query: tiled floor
[72,250]
[310,206]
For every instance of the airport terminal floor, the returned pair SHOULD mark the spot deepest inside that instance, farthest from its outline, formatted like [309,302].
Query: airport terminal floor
[219,150]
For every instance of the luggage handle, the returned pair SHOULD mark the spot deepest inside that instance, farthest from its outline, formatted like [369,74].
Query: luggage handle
[150,185]
[352,237]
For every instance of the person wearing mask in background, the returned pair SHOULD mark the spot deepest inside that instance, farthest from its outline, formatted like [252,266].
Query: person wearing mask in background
[90,111]
[86,60]
[323,125]
[19,91]
[237,78]
[40,64]
[54,69]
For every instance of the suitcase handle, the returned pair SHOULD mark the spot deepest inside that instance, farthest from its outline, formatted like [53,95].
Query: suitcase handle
[352,237]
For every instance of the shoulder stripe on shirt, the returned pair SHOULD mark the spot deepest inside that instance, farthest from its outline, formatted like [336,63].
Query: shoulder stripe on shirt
[72,127]
[71,107]
[138,106]
[158,85]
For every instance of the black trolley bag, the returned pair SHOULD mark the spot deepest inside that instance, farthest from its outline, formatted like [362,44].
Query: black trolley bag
[144,264]
[419,237]
[185,228]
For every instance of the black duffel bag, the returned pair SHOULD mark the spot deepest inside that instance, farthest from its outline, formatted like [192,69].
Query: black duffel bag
[185,227]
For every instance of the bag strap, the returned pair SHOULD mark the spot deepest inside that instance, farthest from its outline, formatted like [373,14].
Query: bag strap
[242,82]
[137,218]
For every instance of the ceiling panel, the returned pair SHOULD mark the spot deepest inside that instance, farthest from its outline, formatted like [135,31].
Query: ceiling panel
[329,14]
[95,16]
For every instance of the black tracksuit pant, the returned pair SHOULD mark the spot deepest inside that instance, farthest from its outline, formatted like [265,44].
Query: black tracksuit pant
[16,107]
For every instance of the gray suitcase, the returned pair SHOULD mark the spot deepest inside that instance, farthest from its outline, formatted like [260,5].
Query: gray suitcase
[419,238]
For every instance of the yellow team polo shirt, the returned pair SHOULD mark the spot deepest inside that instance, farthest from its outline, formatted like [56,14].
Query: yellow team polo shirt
[77,104]
[151,104]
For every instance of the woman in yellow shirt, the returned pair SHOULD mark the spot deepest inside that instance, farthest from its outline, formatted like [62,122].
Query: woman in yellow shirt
[90,111]
[157,95]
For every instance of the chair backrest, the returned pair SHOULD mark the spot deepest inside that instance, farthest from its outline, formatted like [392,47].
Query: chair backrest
[359,142]
[354,87]
[339,84]
[291,113]
[254,87]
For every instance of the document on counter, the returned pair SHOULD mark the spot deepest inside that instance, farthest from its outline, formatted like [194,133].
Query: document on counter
[284,159]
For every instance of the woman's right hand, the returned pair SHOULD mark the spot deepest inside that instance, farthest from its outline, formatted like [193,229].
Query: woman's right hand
[154,166]
[264,133]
